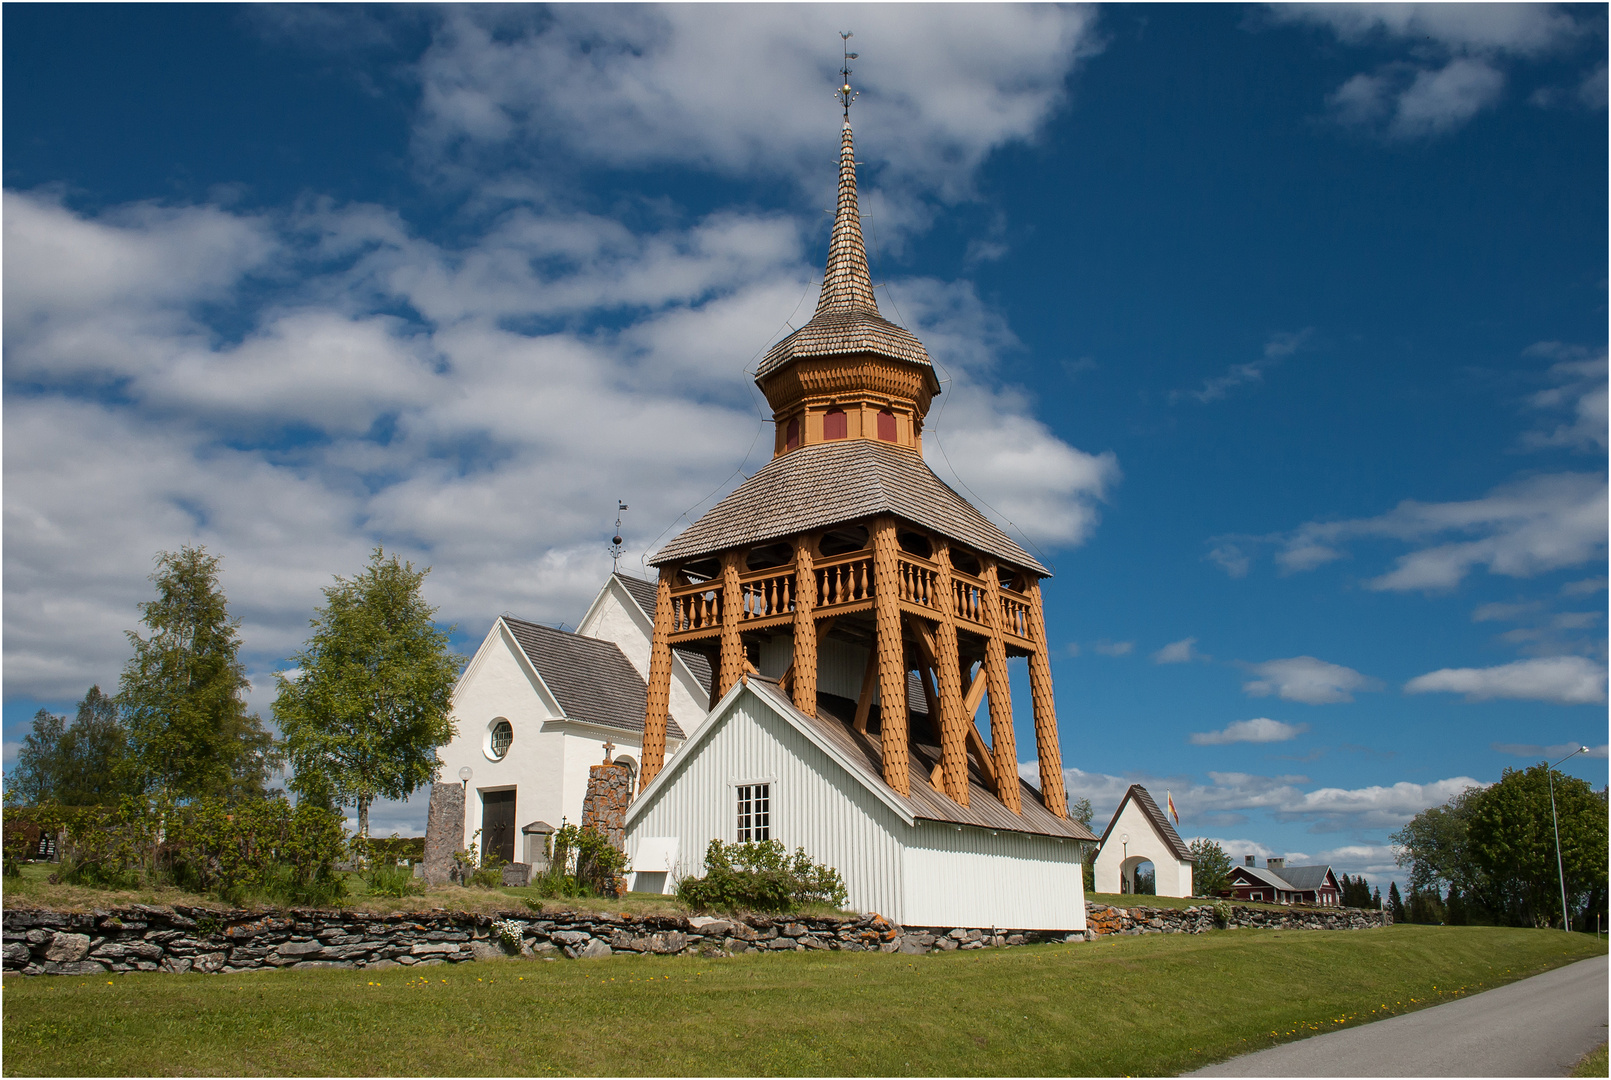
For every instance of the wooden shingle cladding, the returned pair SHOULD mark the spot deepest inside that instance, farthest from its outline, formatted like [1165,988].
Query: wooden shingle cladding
[829,484]
[591,679]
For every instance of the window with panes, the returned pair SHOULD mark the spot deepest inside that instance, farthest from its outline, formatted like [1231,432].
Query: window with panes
[754,812]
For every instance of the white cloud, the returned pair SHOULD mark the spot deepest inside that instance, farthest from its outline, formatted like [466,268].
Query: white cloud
[1114,648]
[745,89]
[1520,529]
[1579,391]
[1231,559]
[1229,797]
[1453,68]
[1306,679]
[1178,652]
[1564,680]
[1258,730]
[1276,349]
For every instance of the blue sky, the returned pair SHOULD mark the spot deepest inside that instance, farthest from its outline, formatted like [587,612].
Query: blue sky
[1280,332]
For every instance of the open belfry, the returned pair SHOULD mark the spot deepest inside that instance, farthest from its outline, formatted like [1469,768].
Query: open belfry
[850,572]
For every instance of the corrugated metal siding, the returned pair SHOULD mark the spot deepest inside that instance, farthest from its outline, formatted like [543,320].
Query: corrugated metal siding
[1007,880]
[815,804]
[840,666]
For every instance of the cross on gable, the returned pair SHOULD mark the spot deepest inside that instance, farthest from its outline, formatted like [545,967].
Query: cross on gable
[609,752]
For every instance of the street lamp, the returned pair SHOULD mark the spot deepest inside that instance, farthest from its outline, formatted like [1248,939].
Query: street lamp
[464,777]
[1566,916]
[1124,870]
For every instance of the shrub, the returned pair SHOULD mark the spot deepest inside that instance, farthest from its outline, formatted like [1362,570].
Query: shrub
[510,934]
[761,876]
[581,862]
[1222,914]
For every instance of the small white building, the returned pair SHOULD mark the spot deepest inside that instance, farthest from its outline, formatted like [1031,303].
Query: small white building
[1139,833]
[758,768]
[536,706]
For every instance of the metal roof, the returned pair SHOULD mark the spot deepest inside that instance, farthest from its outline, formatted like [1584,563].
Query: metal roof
[830,483]
[984,810]
[1143,799]
[1289,878]
[592,679]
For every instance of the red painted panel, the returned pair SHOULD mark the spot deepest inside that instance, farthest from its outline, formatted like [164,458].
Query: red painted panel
[834,424]
[886,426]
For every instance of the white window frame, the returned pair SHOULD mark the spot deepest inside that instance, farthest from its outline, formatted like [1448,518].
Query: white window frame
[734,788]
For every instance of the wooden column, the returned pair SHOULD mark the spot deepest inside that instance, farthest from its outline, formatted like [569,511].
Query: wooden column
[1040,693]
[731,661]
[659,704]
[891,655]
[1003,742]
[804,686]
[948,673]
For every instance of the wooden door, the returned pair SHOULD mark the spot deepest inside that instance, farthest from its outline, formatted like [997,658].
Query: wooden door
[498,824]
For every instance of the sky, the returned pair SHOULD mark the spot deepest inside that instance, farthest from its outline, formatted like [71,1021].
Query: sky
[1279,333]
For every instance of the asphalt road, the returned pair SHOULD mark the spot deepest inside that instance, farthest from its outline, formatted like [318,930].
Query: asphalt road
[1536,1027]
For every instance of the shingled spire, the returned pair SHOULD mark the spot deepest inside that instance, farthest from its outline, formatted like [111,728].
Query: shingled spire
[846,284]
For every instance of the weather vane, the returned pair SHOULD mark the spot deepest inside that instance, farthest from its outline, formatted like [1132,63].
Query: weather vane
[845,94]
[615,541]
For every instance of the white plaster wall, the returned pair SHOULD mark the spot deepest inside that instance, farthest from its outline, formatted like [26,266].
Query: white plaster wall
[616,617]
[498,683]
[1173,875]
[979,878]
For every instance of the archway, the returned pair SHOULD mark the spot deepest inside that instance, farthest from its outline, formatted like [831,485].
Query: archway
[1137,875]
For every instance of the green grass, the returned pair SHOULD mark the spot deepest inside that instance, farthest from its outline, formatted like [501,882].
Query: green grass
[1151,1005]
[1593,1063]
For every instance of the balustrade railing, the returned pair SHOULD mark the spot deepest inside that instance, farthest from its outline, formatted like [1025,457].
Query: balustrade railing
[696,607]
[845,580]
[766,593]
[917,579]
[968,597]
[1015,613]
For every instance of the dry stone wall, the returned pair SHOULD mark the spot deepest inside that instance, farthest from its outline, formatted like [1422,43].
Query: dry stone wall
[179,939]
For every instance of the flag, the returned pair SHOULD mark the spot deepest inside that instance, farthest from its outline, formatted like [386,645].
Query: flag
[1169,798]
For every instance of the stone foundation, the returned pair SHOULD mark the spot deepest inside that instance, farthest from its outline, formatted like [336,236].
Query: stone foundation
[178,939]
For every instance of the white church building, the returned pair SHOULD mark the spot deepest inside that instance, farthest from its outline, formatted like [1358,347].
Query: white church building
[536,706]
[1139,833]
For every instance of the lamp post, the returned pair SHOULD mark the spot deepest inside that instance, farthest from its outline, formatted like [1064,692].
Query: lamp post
[1125,877]
[1566,916]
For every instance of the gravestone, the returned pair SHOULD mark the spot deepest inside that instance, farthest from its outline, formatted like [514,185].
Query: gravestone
[444,832]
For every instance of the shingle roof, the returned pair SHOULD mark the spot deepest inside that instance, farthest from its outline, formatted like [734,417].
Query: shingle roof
[847,319]
[984,810]
[592,679]
[646,596]
[1143,799]
[1305,878]
[829,483]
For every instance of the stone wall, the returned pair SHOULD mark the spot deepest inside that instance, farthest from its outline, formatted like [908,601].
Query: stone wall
[604,807]
[143,938]
[1195,920]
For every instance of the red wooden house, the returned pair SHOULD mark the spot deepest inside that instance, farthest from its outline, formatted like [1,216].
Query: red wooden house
[1278,883]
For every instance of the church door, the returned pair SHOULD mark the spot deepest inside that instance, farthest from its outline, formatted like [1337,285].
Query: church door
[498,824]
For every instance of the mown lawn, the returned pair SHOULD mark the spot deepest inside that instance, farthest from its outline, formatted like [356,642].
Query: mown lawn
[1126,1005]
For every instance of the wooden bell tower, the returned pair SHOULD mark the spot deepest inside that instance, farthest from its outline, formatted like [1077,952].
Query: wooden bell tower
[848,542]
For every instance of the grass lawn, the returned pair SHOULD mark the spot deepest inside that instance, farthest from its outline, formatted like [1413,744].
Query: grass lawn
[1594,1063]
[1149,1005]
[34,890]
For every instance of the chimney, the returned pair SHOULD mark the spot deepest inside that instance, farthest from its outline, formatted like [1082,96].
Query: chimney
[1249,861]
[1275,864]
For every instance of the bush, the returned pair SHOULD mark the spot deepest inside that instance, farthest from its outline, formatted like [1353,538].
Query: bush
[761,876]
[581,862]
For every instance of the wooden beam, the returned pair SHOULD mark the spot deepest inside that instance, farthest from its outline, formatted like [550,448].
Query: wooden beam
[976,693]
[803,688]
[891,654]
[869,681]
[926,676]
[981,754]
[1003,739]
[658,702]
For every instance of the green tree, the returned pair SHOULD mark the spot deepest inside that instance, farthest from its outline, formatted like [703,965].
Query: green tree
[1082,811]
[183,692]
[1511,844]
[41,768]
[1213,870]
[1394,903]
[1433,844]
[368,704]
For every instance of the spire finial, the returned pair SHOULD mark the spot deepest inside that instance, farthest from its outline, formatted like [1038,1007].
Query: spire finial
[846,94]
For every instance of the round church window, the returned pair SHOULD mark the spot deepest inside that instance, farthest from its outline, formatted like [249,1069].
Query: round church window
[499,738]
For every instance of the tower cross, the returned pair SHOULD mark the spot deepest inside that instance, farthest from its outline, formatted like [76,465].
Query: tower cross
[845,93]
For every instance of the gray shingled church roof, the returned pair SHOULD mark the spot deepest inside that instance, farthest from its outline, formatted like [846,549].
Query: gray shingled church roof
[1290,878]
[644,593]
[830,483]
[592,679]
[1143,799]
